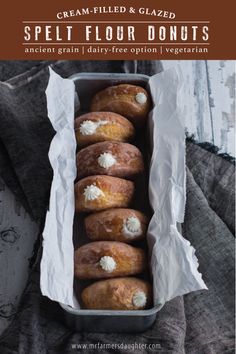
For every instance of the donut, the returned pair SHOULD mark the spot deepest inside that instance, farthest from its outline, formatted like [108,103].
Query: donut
[95,127]
[124,225]
[132,102]
[128,293]
[102,192]
[108,259]
[110,158]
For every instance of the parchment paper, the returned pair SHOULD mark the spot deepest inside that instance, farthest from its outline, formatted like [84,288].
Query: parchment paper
[173,262]
[57,264]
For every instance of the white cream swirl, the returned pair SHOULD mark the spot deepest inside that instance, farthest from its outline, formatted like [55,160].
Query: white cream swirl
[107,263]
[141,98]
[88,127]
[139,299]
[132,226]
[92,192]
[106,160]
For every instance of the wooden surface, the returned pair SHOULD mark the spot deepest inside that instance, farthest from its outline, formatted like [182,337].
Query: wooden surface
[210,92]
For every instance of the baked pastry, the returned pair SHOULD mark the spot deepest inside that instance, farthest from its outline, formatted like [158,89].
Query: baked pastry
[130,101]
[125,225]
[110,158]
[94,127]
[108,259]
[118,294]
[102,192]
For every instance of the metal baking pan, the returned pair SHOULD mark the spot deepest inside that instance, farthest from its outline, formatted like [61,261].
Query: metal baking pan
[86,85]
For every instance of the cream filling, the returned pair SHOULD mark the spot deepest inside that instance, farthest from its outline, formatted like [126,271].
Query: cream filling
[92,192]
[106,160]
[139,299]
[141,98]
[88,127]
[107,263]
[132,226]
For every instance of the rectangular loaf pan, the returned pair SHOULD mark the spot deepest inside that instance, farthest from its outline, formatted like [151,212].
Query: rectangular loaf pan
[86,85]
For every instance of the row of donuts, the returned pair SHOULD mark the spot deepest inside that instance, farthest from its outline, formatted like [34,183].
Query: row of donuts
[107,165]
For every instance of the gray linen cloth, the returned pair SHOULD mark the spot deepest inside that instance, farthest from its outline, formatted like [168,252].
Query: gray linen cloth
[201,322]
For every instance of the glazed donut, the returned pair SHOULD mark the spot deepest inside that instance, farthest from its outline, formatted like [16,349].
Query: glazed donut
[96,193]
[124,225]
[118,294]
[130,101]
[95,127]
[107,259]
[110,158]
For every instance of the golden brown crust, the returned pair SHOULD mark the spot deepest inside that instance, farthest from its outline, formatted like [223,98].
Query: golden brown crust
[122,99]
[116,192]
[118,128]
[128,160]
[116,294]
[129,260]
[109,225]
